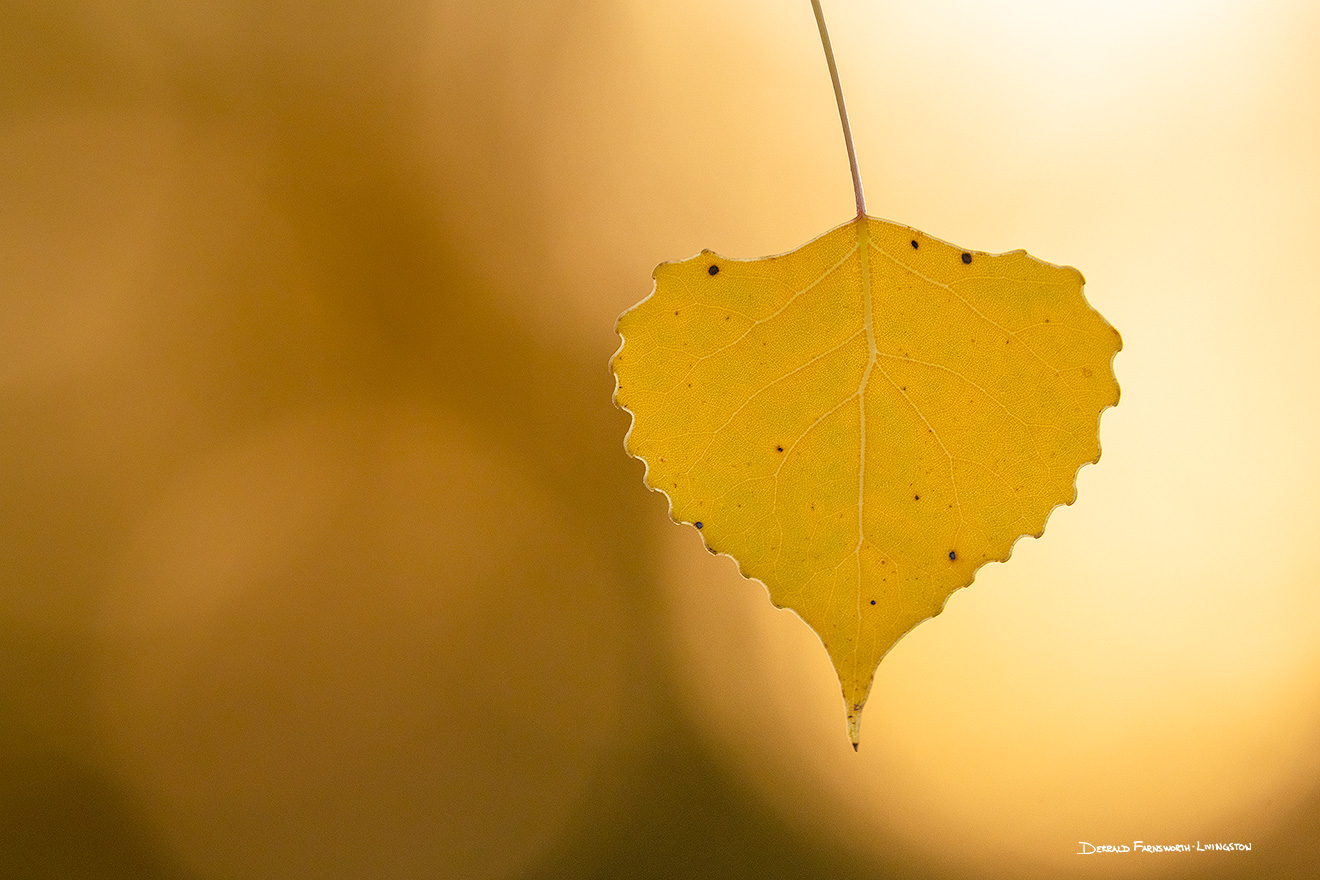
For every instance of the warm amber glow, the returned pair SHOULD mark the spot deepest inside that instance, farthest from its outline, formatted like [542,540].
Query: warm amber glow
[1149,669]
[320,555]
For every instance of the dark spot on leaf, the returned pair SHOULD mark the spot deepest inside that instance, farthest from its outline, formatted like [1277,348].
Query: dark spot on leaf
[966,258]
[712,549]
[914,247]
[916,497]
[872,601]
[779,449]
[714,270]
[953,555]
[697,524]
[675,313]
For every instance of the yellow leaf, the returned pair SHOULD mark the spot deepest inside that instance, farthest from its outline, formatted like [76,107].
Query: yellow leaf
[864,422]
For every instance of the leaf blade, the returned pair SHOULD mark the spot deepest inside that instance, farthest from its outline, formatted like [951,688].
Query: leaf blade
[865,421]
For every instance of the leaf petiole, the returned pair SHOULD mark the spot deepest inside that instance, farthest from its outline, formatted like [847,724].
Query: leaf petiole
[843,111]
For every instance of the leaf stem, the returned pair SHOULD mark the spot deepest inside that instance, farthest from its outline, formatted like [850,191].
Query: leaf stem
[843,111]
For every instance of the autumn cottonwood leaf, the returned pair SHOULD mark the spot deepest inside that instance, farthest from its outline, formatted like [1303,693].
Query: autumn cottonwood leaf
[864,422]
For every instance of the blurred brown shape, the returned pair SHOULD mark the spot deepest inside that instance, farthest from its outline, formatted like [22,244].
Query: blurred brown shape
[364,645]
[298,548]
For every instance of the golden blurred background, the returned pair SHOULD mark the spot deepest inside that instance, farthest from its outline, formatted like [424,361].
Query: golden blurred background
[320,556]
